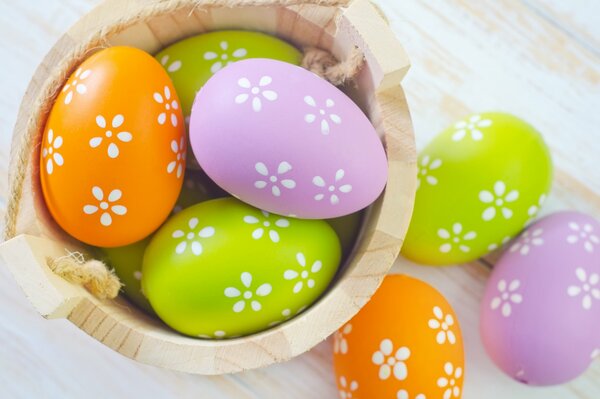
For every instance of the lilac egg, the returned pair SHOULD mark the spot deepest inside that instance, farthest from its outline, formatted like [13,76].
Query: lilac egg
[284,140]
[540,316]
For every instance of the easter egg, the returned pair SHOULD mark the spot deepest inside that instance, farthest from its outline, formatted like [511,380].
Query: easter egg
[113,149]
[480,181]
[284,140]
[222,268]
[540,314]
[405,343]
[191,62]
[127,264]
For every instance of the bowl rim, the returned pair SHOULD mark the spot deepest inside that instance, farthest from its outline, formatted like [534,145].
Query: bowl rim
[134,335]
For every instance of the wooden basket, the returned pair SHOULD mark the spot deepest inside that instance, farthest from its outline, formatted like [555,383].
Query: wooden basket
[337,27]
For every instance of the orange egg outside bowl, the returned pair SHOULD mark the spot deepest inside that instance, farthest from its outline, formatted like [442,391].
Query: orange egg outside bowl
[404,344]
[113,150]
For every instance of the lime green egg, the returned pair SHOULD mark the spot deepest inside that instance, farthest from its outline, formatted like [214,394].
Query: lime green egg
[127,263]
[222,268]
[479,183]
[191,62]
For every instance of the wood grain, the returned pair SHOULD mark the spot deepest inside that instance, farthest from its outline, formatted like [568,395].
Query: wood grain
[466,57]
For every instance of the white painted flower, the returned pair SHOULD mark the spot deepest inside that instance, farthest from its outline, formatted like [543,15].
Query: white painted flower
[171,107]
[347,389]
[110,137]
[170,67]
[219,334]
[507,296]
[389,362]
[528,240]
[248,294]
[76,85]
[425,168]
[275,180]
[50,152]
[340,343]
[499,200]
[224,57]
[585,234]
[403,394]
[455,238]
[106,206]
[324,114]
[334,189]
[534,209]
[179,163]
[302,274]
[257,93]
[450,382]
[495,246]
[444,325]
[267,223]
[192,237]
[587,287]
[471,127]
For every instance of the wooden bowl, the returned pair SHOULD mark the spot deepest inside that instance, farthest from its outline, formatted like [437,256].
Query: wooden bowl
[127,330]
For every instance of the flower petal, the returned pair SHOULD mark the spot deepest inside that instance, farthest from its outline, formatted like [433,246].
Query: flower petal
[124,137]
[489,214]
[506,309]
[269,95]
[100,121]
[97,193]
[274,236]
[258,233]
[239,53]
[162,117]
[276,191]
[400,371]
[318,181]
[282,223]
[445,248]
[284,167]
[250,219]
[486,197]
[246,279]
[180,247]
[241,98]
[290,274]
[232,292]
[196,248]
[207,232]
[378,358]
[106,219]
[261,168]
[256,104]
[386,347]
[58,159]
[264,290]
[507,213]
[239,306]
[95,142]
[316,267]
[384,372]
[90,209]
[113,150]
[117,121]
[174,120]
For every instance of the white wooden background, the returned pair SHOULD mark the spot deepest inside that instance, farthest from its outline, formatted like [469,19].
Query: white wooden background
[539,59]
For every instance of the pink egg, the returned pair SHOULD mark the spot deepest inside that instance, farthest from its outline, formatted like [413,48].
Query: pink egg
[540,316]
[284,140]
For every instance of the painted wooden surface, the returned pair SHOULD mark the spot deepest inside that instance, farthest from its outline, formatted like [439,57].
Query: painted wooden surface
[539,59]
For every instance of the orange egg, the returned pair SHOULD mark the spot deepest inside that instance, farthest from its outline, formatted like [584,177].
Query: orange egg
[404,344]
[113,151]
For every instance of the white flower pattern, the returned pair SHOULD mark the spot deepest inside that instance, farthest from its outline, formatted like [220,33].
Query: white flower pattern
[50,152]
[105,206]
[179,149]
[340,343]
[275,180]
[495,246]
[346,392]
[224,57]
[303,275]
[528,240]
[334,196]
[171,107]
[257,93]
[585,234]
[77,85]
[472,127]
[499,200]
[427,165]
[444,324]
[266,224]
[391,363]
[247,294]
[324,114]
[534,209]
[508,296]
[192,237]
[170,67]
[112,138]
[450,382]
[456,238]
[587,287]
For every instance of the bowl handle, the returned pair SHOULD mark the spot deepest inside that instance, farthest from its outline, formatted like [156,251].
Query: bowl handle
[26,258]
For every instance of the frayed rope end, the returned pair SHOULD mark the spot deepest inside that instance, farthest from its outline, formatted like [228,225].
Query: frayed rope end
[93,274]
[325,65]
